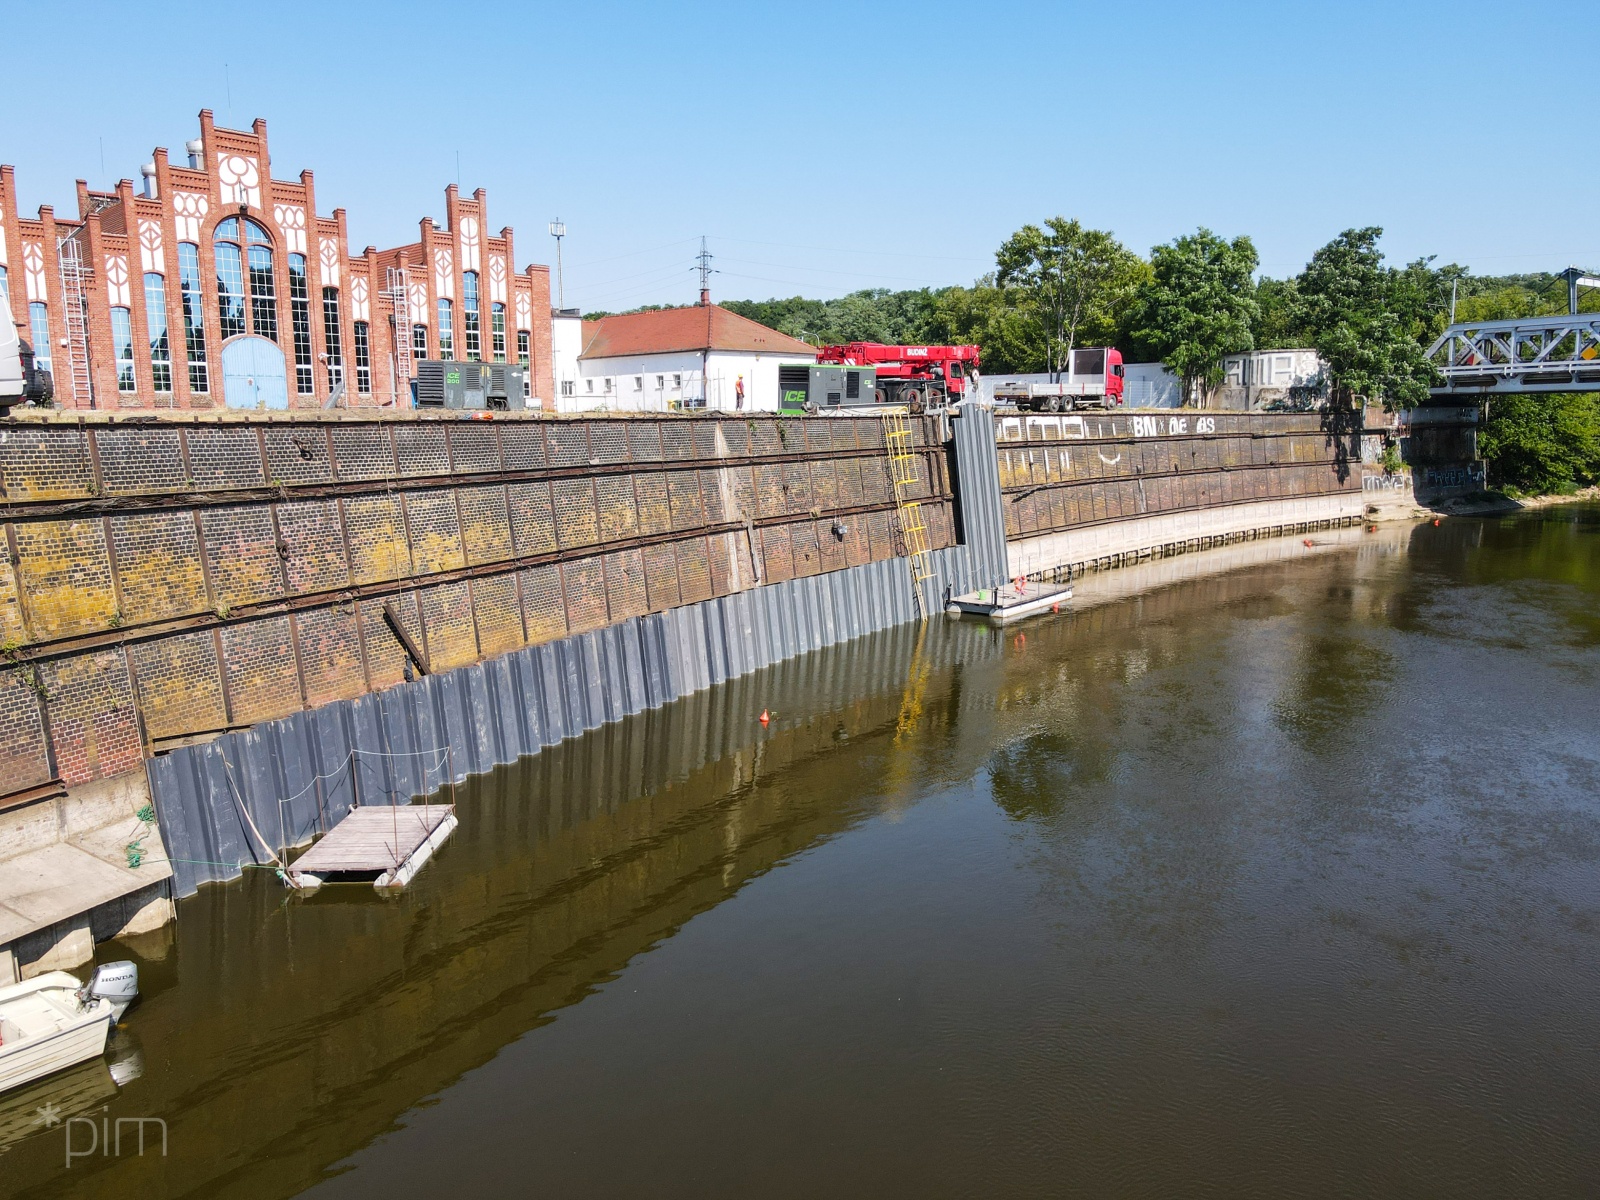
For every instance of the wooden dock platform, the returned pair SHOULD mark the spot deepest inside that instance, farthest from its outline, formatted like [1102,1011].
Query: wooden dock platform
[1003,605]
[391,842]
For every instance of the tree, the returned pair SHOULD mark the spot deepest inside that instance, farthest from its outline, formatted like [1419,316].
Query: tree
[1276,301]
[1066,278]
[1360,317]
[1543,443]
[1200,306]
[980,315]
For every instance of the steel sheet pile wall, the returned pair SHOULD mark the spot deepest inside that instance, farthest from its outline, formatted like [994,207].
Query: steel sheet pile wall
[1139,473]
[979,558]
[169,578]
[297,775]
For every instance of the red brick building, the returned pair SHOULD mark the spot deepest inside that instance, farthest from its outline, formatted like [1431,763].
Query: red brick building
[216,285]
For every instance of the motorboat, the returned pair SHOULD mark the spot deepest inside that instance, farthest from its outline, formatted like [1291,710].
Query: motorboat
[54,1021]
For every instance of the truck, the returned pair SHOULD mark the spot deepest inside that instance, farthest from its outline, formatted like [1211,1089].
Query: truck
[1093,379]
[19,380]
[918,377]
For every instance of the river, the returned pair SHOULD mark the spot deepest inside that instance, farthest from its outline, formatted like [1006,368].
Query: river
[1268,871]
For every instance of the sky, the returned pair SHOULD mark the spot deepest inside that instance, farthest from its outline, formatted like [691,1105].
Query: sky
[825,147]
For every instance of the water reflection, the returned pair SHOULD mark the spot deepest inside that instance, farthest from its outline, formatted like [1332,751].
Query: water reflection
[1264,871]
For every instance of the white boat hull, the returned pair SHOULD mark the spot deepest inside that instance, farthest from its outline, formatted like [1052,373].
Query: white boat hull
[42,1029]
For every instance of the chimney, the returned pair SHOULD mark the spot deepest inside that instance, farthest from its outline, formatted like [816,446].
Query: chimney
[705,297]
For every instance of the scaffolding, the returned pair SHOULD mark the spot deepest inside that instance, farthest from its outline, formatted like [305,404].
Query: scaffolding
[899,445]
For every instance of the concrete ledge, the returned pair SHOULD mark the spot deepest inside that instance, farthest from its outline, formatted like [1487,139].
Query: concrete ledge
[1049,551]
[65,882]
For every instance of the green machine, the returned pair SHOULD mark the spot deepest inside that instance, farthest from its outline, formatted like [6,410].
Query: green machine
[814,388]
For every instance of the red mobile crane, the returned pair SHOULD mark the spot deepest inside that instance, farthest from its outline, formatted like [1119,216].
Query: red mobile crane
[918,377]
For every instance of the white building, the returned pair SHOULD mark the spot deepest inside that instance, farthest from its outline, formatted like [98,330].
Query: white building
[1272,379]
[670,358]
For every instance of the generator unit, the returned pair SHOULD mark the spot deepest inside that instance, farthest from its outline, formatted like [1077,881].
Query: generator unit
[820,388]
[446,383]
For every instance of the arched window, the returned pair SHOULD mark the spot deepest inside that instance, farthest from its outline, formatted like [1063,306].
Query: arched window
[300,319]
[122,348]
[39,323]
[497,331]
[330,336]
[194,326]
[523,356]
[239,242]
[447,337]
[469,316]
[155,326]
[363,353]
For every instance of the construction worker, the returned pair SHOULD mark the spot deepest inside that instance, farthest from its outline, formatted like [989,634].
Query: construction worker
[738,393]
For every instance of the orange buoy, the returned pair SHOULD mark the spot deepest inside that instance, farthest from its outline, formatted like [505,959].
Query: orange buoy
[1308,541]
[1055,608]
[765,716]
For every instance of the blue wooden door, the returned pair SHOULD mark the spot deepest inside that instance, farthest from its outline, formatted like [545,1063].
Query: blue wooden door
[253,374]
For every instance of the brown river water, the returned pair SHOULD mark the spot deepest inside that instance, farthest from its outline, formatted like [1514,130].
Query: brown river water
[1269,871]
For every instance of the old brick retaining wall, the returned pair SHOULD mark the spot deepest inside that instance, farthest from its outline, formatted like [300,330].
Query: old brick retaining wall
[171,578]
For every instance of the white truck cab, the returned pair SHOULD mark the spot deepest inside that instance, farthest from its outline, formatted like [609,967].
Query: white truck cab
[11,378]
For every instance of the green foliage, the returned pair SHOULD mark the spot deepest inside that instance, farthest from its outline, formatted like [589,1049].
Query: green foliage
[1365,320]
[982,315]
[1543,443]
[1200,305]
[1391,461]
[1510,297]
[1060,285]
[873,315]
[1071,282]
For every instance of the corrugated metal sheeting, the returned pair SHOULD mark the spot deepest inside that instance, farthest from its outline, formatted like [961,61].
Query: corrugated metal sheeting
[979,558]
[298,775]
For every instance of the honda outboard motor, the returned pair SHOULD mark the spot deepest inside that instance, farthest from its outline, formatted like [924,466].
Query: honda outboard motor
[117,982]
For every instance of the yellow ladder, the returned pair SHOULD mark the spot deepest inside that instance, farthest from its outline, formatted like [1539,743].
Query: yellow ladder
[899,446]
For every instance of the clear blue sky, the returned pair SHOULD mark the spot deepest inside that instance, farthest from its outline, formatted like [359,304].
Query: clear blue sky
[828,147]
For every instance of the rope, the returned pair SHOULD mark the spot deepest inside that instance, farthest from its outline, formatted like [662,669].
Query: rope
[348,765]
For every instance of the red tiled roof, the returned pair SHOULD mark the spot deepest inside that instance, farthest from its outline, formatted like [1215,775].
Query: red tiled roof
[708,327]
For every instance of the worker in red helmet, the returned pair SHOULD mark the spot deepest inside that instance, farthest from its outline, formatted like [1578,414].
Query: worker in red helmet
[738,393]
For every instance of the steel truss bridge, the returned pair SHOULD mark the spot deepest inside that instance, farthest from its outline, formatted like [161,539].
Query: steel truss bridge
[1530,354]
